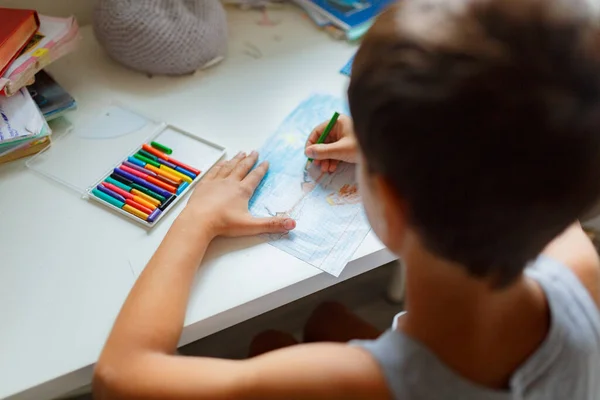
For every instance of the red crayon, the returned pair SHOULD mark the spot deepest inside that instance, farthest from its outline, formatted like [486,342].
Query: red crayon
[118,190]
[161,184]
[140,207]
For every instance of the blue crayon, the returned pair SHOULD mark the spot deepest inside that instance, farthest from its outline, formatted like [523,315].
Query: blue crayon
[135,161]
[109,192]
[182,187]
[143,182]
[185,172]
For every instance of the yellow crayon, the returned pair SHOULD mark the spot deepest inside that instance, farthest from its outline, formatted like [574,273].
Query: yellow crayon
[135,212]
[176,173]
[144,196]
[140,200]
[165,174]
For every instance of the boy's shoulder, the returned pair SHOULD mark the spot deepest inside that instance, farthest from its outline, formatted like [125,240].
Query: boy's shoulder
[576,252]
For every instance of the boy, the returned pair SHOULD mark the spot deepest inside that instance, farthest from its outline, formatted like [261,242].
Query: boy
[477,129]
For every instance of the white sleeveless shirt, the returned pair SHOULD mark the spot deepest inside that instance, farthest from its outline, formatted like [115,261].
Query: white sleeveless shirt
[566,365]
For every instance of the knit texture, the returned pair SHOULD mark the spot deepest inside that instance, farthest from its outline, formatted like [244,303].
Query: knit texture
[162,37]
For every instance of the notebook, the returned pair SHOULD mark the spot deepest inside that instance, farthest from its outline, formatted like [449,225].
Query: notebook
[348,14]
[50,97]
[17,27]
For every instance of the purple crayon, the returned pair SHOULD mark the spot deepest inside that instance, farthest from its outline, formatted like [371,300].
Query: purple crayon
[155,214]
[109,192]
[166,163]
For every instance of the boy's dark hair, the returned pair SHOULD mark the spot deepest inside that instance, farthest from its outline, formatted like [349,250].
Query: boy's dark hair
[484,116]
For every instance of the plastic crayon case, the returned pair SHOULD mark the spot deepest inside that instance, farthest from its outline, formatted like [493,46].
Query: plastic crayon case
[134,166]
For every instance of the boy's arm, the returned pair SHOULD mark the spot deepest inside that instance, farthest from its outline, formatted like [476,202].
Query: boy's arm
[138,360]
[574,249]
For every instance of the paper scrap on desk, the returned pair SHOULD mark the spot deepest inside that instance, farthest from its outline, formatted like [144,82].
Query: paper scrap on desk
[20,117]
[330,221]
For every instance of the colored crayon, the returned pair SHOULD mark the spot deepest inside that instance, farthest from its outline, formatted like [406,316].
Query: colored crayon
[325,132]
[135,161]
[142,182]
[149,199]
[125,194]
[165,157]
[186,172]
[148,155]
[149,192]
[146,175]
[184,166]
[135,172]
[176,173]
[111,193]
[140,207]
[155,214]
[121,179]
[118,184]
[156,162]
[130,196]
[144,202]
[119,204]
[143,199]
[161,147]
[164,174]
[168,164]
[146,160]
[109,199]
[181,188]
[161,184]
[167,203]
[135,212]
[139,169]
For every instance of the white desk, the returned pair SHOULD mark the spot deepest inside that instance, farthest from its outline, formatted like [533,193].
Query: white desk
[64,263]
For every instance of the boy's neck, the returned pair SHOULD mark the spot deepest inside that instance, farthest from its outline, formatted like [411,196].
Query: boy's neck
[468,324]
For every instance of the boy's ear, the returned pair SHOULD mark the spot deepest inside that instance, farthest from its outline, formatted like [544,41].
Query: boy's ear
[393,214]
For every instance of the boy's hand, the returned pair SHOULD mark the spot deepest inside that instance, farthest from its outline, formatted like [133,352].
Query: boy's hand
[340,145]
[220,200]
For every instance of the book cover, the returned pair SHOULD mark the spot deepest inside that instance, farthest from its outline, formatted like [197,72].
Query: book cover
[348,14]
[17,27]
[56,37]
[50,97]
[27,150]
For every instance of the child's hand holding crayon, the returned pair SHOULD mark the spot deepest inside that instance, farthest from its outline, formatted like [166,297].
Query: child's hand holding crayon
[340,145]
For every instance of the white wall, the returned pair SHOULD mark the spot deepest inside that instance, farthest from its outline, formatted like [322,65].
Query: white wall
[82,9]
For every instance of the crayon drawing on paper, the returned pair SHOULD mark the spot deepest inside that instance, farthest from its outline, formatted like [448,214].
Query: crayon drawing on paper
[330,220]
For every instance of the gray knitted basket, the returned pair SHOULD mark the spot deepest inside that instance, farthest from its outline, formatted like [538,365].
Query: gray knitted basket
[162,37]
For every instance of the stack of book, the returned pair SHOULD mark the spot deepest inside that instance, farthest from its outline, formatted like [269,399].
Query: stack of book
[23,129]
[344,19]
[28,43]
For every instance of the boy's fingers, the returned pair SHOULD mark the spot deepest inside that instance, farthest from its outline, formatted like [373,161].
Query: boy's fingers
[335,151]
[227,167]
[314,135]
[325,165]
[214,171]
[252,180]
[244,166]
[257,226]
[333,165]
